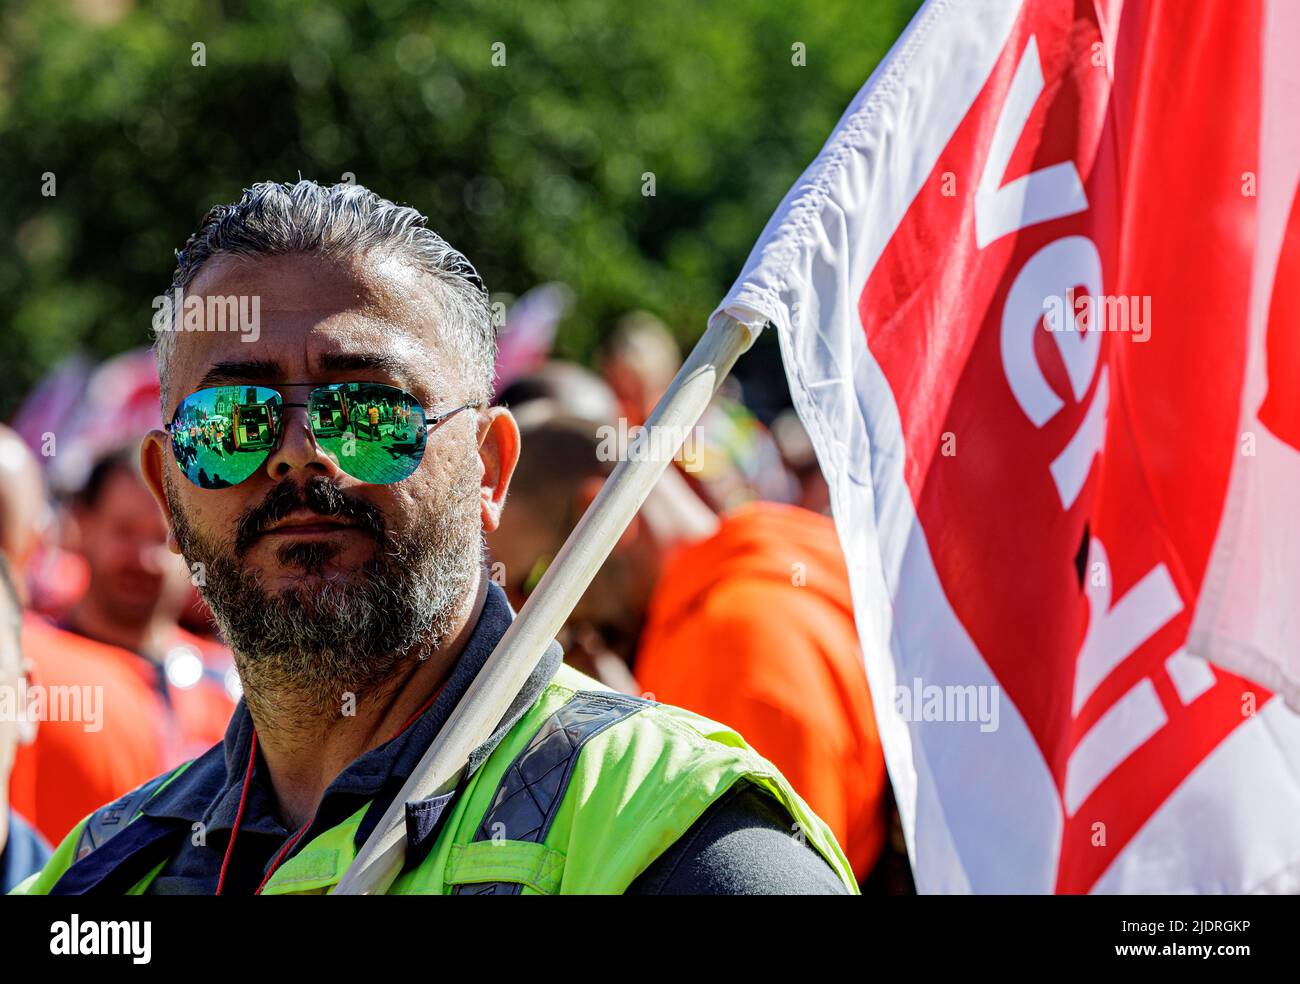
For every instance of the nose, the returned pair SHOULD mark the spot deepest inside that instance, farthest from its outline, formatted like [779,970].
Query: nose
[298,450]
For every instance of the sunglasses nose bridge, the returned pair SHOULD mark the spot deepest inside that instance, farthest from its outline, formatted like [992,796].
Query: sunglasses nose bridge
[297,445]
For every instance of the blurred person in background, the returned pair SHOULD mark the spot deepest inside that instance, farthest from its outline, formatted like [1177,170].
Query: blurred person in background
[573,390]
[24,508]
[737,461]
[22,850]
[566,389]
[135,598]
[66,769]
[744,618]
[638,360]
[132,730]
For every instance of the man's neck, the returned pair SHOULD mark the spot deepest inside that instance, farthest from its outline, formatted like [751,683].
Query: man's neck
[95,620]
[305,750]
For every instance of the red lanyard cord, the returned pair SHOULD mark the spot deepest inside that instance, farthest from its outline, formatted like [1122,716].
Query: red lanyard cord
[239,815]
[420,713]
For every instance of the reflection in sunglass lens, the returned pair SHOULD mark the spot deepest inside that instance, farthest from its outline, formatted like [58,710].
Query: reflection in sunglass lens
[373,432]
[223,434]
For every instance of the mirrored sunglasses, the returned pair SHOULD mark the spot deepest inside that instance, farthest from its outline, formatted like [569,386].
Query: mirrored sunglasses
[221,435]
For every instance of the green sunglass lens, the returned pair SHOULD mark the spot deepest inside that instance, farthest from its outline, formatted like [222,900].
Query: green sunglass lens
[375,433]
[221,435]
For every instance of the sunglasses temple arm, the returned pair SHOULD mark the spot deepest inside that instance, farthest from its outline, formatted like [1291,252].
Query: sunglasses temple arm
[436,420]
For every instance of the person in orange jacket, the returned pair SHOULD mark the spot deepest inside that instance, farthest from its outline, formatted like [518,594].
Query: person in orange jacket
[145,695]
[115,738]
[745,618]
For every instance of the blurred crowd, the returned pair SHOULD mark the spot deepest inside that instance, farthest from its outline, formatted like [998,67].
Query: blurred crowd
[728,594]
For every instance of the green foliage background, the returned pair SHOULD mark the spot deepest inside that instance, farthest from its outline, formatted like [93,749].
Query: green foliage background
[534,168]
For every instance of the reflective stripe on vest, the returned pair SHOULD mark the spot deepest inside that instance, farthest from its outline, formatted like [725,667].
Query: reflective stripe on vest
[530,793]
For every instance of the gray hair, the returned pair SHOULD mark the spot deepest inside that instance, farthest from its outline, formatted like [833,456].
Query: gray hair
[341,222]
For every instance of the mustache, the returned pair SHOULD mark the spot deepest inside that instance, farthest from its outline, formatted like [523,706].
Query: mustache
[318,495]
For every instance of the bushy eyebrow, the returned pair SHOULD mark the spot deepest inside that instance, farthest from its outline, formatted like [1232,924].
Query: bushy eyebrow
[268,370]
[242,371]
[377,362]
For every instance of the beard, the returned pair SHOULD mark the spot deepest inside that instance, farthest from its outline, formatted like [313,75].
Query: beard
[304,649]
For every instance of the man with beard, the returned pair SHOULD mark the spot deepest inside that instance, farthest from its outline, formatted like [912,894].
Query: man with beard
[352,588]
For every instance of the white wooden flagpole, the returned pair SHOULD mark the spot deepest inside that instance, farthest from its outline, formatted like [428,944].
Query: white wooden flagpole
[503,675]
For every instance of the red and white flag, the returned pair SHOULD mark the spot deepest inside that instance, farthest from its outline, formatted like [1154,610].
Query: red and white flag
[1036,301]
